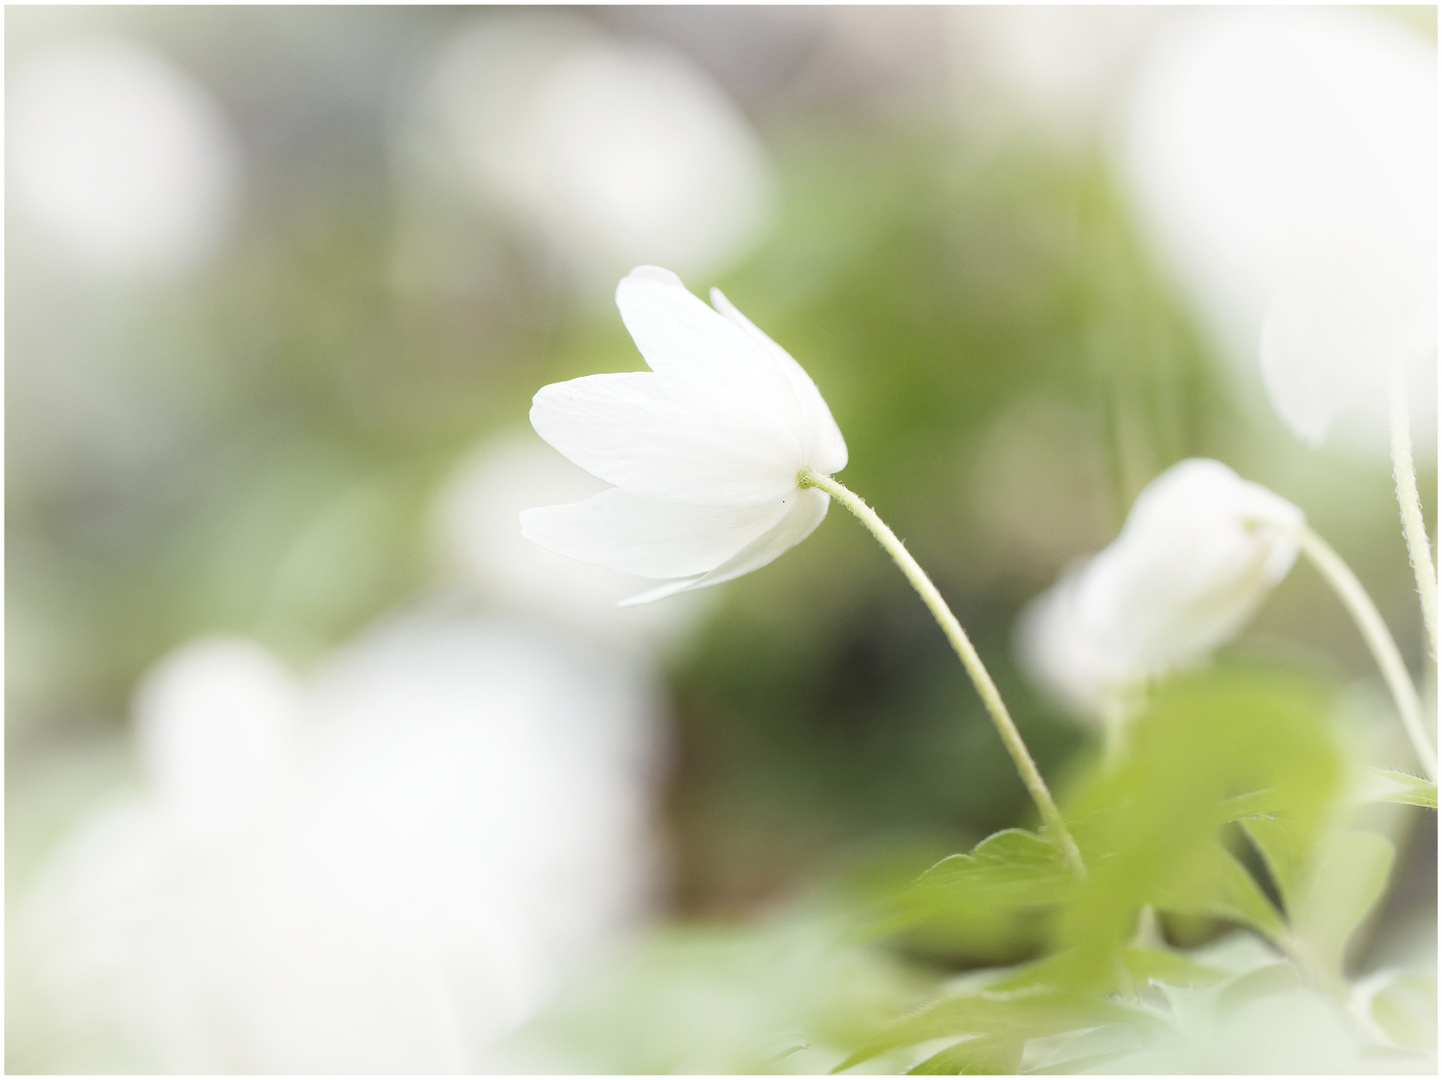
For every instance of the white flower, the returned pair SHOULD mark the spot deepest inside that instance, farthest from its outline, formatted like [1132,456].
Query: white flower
[1198,553]
[615,152]
[1061,64]
[704,450]
[1285,161]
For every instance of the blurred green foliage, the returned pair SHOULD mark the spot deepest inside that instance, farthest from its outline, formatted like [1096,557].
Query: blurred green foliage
[1250,746]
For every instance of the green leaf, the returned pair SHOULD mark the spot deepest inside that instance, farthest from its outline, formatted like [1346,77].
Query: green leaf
[989,903]
[1013,868]
[1405,1007]
[1266,801]
[1149,828]
[1219,886]
[1002,1016]
[1344,879]
[1076,1066]
[1280,850]
[1387,785]
[978,1056]
[1260,982]
[1148,965]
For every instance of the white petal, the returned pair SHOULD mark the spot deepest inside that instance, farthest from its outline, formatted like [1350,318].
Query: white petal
[679,335]
[660,592]
[806,512]
[825,448]
[1066,655]
[671,437]
[1339,321]
[1199,552]
[640,534]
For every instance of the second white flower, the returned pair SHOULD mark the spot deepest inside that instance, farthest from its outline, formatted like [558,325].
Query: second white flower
[1199,552]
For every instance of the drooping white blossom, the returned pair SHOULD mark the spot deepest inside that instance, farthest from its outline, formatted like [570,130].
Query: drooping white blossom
[704,450]
[1059,65]
[1284,160]
[1199,551]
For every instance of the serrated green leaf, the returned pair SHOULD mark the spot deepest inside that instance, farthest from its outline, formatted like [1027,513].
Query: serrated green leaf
[1012,868]
[1388,785]
[1345,877]
[979,1056]
[991,902]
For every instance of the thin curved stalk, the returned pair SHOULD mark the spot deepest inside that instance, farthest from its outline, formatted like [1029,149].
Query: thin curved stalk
[967,653]
[1379,639]
[1414,525]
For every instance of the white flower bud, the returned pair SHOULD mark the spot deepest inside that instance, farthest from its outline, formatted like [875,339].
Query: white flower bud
[1199,552]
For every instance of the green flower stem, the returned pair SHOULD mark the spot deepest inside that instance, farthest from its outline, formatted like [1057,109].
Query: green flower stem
[1414,526]
[990,697]
[1359,605]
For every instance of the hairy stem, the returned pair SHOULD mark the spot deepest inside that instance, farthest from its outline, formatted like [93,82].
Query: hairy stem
[990,696]
[1414,526]
[1374,631]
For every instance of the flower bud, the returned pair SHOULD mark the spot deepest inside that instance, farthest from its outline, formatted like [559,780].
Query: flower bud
[1199,551]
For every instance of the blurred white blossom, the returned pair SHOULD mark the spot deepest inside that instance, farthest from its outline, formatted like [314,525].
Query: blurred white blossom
[385,868]
[1061,63]
[616,152]
[1285,162]
[705,449]
[119,157]
[215,726]
[1199,552]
